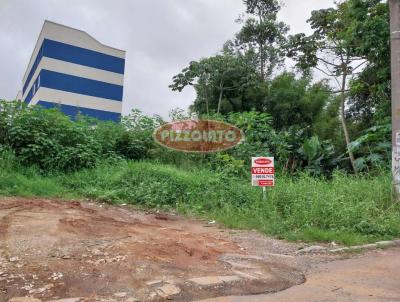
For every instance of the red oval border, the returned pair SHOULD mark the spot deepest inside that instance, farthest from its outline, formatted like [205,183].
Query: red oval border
[195,123]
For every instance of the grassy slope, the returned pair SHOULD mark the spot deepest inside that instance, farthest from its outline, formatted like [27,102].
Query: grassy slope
[345,209]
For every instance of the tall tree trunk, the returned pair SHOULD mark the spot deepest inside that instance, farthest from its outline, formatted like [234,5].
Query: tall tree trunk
[261,49]
[343,120]
[221,90]
[262,62]
[206,95]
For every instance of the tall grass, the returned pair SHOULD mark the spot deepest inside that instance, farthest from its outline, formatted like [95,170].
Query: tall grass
[158,185]
[16,179]
[345,209]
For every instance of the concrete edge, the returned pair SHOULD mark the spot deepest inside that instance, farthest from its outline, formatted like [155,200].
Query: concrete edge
[320,249]
[371,246]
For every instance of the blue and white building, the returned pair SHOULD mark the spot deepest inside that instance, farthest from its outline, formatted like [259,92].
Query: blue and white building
[73,71]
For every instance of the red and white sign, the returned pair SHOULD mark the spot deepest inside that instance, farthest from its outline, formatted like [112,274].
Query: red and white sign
[262,171]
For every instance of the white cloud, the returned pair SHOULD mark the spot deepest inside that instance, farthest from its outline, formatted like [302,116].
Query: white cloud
[160,37]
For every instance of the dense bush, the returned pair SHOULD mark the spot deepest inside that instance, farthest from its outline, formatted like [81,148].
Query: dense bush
[295,149]
[130,147]
[373,148]
[51,141]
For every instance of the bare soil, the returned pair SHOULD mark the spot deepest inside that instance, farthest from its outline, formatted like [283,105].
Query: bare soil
[70,251]
[370,277]
[53,249]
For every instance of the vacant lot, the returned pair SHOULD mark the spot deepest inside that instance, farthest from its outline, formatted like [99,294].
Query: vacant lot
[52,250]
[55,249]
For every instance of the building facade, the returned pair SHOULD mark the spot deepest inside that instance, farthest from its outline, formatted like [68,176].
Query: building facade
[72,71]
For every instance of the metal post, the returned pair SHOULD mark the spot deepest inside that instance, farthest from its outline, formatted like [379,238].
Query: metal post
[264,193]
[394,6]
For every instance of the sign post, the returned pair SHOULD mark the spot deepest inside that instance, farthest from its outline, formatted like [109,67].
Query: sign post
[263,173]
[264,193]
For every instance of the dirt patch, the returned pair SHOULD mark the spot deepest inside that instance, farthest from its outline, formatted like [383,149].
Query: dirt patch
[368,277]
[53,249]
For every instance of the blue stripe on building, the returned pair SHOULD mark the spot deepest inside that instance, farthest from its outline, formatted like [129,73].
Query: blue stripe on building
[69,83]
[73,111]
[32,91]
[33,69]
[77,55]
[83,56]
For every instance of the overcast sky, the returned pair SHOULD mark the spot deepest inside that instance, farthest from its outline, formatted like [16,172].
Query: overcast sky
[160,37]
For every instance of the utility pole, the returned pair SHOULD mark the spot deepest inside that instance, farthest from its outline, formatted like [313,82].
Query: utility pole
[394,6]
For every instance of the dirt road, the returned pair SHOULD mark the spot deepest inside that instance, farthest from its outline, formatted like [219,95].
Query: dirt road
[368,278]
[52,250]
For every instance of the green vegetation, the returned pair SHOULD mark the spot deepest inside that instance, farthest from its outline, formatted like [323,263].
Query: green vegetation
[345,209]
[331,144]
[349,50]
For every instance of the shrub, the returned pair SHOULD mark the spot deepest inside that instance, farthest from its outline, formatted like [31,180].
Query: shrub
[51,141]
[130,147]
[228,165]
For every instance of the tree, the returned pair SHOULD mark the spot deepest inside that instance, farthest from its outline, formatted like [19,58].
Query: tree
[292,101]
[213,78]
[369,96]
[263,8]
[330,49]
[262,35]
[327,125]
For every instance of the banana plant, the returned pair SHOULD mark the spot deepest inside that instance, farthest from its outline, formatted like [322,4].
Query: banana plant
[318,157]
[373,148]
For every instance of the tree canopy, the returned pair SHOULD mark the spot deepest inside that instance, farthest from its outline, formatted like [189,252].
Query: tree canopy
[348,46]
